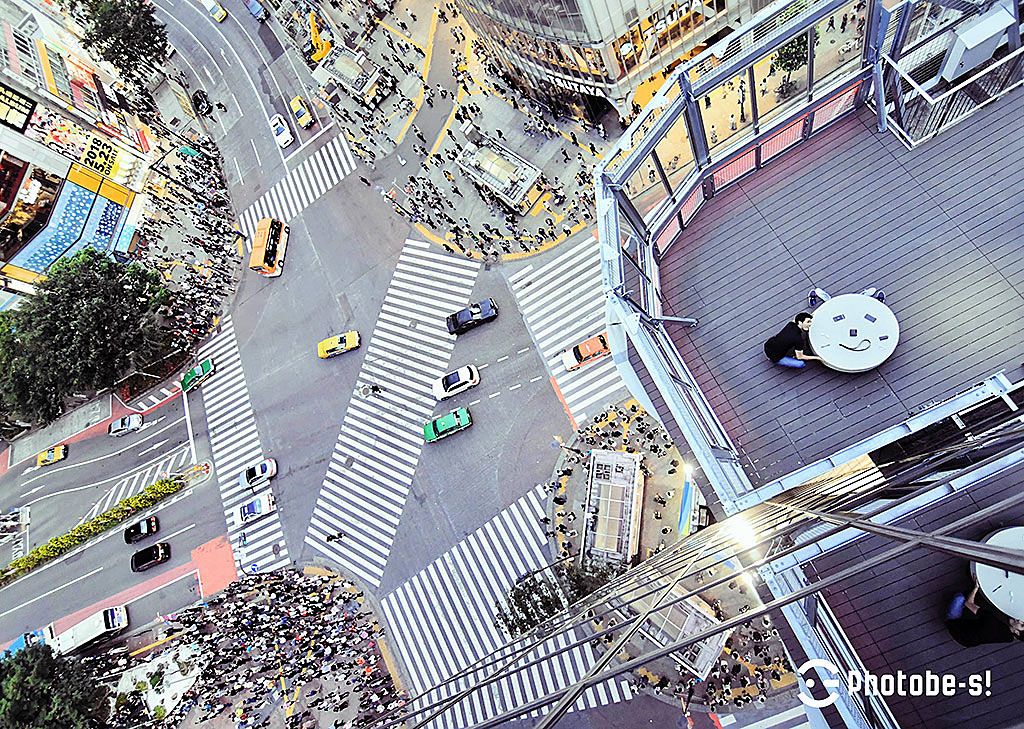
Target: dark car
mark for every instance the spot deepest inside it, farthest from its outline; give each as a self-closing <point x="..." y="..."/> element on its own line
<point x="141" y="529"/>
<point x="472" y="316"/>
<point x="151" y="556"/>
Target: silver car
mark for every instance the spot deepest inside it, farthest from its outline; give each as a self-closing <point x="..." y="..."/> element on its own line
<point x="124" y="426"/>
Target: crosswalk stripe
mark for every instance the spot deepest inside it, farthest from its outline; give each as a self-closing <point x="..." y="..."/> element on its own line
<point x="348" y="153"/>
<point x="441" y="621"/>
<point x="302" y="186"/>
<point x="235" y="444"/>
<point x="571" y="282"/>
<point x="374" y="460"/>
<point x="332" y="170"/>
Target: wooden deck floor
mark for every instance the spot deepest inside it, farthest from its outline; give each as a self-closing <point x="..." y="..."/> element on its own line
<point x="893" y="615"/>
<point x="940" y="229"/>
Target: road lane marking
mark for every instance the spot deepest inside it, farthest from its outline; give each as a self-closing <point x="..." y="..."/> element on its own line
<point x="475" y="402"/>
<point x="208" y="74"/>
<point x="188" y="420"/>
<point x="493" y="394"/>
<point x="47" y="594"/>
<point x="502" y="359"/>
<point x="524" y="349"/>
<point x="256" y="152"/>
<point x="106" y="535"/>
<point x="117" y="477"/>
<point x="515" y="387"/>
<point x="538" y="377"/>
<point x="97" y="458"/>
<point x="483" y="366"/>
<point x="153" y="447"/>
<point x="180" y="531"/>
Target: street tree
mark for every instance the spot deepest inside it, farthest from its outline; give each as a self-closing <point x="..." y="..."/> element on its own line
<point x="531" y="601"/>
<point x="126" y="34"/>
<point x="90" y="322"/>
<point x="43" y="690"/>
<point x="539" y="596"/>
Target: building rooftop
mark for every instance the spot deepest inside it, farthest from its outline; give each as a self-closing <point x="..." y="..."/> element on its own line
<point x="940" y="229"/>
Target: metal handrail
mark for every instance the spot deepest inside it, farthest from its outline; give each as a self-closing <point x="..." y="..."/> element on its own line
<point x="960" y="86"/>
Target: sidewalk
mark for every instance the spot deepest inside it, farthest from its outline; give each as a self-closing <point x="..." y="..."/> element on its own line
<point x="752" y="669"/>
<point x="446" y="92"/>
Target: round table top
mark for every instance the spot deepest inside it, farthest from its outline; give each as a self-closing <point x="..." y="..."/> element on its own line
<point x="854" y="332"/>
<point x="1005" y="590"/>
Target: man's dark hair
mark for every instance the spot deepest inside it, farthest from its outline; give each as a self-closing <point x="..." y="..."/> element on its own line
<point x="801" y="317"/>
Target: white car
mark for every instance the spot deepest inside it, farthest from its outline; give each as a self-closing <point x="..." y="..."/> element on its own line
<point x="455" y="382"/>
<point x="258" y="474"/>
<point x="282" y="134"/>
<point x="124" y="426"/>
<point x="256" y="508"/>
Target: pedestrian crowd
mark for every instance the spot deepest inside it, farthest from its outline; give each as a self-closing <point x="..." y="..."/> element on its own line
<point x="286" y="628"/>
<point x="433" y="202"/>
<point x="189" y="201"/>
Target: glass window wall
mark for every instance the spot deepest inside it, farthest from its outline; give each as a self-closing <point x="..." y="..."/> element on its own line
<point x="675" y="153"/>
<point x="726" y="111"/>
<point x="781" y="79"/>
<point x="840" y="44"/>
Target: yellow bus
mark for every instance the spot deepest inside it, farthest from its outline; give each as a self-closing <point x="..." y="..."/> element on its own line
<point x="268" y="246"/>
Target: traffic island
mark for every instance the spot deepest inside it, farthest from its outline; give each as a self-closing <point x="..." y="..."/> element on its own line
<point x="622" y="492"/>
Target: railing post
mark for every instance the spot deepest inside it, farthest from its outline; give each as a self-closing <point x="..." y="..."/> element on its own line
<point x="694" y="123"/>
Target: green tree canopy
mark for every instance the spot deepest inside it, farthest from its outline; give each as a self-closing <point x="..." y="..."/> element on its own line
<point x="542" y="595"/>
<point x="90" y="322"/>
<point x="126" y="34"/>
<point x="41" y="690"/>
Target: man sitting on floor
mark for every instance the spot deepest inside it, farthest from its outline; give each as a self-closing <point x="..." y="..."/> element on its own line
<point x="972" y="624"/>
<point x="788" y="347"/>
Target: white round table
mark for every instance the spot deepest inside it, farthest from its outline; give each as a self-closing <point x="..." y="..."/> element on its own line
<point x="1005" y="590"/>
<point x="854" y="332"/>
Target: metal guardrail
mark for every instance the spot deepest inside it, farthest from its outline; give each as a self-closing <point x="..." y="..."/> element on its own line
<point x="916" y="116"/>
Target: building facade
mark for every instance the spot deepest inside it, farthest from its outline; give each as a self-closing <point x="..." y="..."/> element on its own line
<point x="72" y="152"/>
<point x="590" y="54"/>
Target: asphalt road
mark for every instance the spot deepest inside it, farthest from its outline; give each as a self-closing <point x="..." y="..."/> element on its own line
<point x="101" y="570"/>
<point x="97" y="473"/>
<point x="342" y="253"/>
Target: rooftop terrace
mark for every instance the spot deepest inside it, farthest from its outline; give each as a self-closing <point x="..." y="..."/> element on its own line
<point x="939" y="228"/>
<point x="893" y="616"/>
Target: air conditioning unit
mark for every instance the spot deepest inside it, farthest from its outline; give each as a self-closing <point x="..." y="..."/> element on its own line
<point x="975" y="42"/>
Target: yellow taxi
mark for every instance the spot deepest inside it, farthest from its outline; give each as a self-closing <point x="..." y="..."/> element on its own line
<point x="301" y="111"/>
<point x="338" y="344"/>
<point x="216" y="10"/>
<point x="57" y="453"/>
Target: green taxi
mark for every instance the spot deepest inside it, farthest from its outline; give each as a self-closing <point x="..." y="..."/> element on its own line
<point x="197" y="375"/>
<point x="444" y="425"/>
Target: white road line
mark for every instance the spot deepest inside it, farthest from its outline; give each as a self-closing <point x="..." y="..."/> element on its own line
<point x="61" y="469"/>
<point x="502" y="359"/>
<point x="515" y="387"/>
<point x="534" y="379"/>
<point x="524" y="349"/>
<point x="160" y="587"/>
<point x="493" y="394"/>
<point x="86" y="576"/>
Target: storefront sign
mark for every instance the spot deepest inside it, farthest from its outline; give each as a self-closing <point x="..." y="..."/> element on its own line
<point x="15" y="109"/>
<point x="100" y="156"/>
